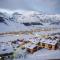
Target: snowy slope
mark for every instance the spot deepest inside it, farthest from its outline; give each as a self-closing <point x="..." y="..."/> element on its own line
<point x="15" y="20"/>
<point x="12" y="26"/>
<point x="33" y="16"/>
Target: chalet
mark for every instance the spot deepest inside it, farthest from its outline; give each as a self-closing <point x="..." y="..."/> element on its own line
<point x="50" y="44"/>
<point x="31" y="48"/>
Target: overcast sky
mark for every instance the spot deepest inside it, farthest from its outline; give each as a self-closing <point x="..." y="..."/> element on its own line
<point x="47" y="6"/>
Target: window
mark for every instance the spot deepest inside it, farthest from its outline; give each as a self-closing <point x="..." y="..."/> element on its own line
<point x="43" y="44"/>
<point x="50" y="46"/>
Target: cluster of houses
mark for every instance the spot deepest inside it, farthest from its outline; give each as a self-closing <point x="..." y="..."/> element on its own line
<point x="30" y="43"/>
<point x="36" y="43"/>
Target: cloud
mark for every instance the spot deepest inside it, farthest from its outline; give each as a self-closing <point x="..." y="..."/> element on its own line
<point x="44" y="5"/>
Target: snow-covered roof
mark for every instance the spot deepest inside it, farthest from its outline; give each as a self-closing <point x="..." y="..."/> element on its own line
<point x="43" y="40"/>
<point x="52" y="42"/>
<point x="34" y="40"/>
<point x="30" y="46"/>
<point x="48" y="41"/>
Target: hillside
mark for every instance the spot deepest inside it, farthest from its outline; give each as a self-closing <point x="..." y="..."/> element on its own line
<point x="27" y="20"/>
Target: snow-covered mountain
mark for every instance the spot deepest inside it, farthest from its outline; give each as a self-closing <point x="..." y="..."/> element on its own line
<point x="32" y="16"/>
<point x="25" y="20"/>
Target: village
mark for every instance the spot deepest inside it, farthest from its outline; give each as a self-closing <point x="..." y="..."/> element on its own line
<point x="29" y="29"/>
<point x="17" y="46"/>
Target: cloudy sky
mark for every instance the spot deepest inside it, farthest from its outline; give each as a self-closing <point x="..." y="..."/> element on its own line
<point x="47" y="6"/>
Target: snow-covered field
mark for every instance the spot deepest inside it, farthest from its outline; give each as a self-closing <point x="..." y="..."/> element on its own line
<point x="42" y="54"/>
